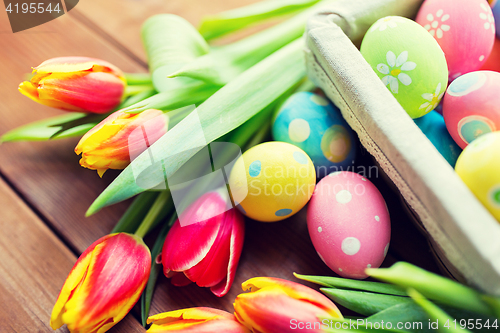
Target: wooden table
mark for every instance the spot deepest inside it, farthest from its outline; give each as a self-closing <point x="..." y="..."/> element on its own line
<point x="44" y="193"/>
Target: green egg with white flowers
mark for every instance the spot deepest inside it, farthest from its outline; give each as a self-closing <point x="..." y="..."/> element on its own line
<point x="409" y="62"/>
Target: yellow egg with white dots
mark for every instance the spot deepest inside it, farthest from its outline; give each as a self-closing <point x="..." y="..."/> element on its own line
<point x="479" y="168"/>
<point x="272" y="181"/>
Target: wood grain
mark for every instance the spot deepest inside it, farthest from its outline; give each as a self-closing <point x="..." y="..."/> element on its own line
<point x="121" y="20"/>
<point x="33" y="267"/>
<point x="47" y="174"/>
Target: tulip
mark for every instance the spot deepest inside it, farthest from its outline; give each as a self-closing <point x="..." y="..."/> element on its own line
<point x="199" y="320"/>
<point x="206" y="248"/>
<point x="278" y="306"/>
<point x="104" y="284"/>
<point x="76" y="84"/>
<point x="119" y="138"/>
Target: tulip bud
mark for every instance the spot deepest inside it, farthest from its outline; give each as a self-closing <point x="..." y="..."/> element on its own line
<point x="207" y="251"/>
<point x="119" y="138"/>
<point x="104" y="284"/>
<point x="76" y="84"/>
<point x="278" y="306"/>
<point x="199" y="320"/>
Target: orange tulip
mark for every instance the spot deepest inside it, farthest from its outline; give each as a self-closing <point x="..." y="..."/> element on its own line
<point x="119" y="138"/>
<point x="195" y="320"/>
<point x="278" y="306"/>
<point x="76" y="84"/>
<point x="104" y="284"/>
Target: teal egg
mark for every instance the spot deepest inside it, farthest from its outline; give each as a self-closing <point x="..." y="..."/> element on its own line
<point x="434" y="128"/>
<point x="312" y="123"/>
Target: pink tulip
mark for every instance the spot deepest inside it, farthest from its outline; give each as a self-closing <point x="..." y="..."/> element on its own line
<point x="207" y="251"/>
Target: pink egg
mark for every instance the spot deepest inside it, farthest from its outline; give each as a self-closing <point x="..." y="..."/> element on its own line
<point x="465" y="30"/>
<point x="471" y="106"/>
<point x="349" y="224"/>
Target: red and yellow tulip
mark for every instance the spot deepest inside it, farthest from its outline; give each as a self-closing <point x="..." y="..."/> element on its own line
<point x="104" y="284"/>
<point x="76" y="84"/>
<point x="119" y="138"/>
<point x="196" y="320"/>
<point x="207" y="251"/>
<point x="278" y="306"/>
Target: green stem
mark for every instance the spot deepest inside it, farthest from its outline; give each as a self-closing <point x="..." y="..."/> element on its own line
<point x="153" y="213"/>
<point x="136" y="212"/>
<point x="134" y="90"/>
<point x="147" y="295"/>
<point x="137" y="78"/>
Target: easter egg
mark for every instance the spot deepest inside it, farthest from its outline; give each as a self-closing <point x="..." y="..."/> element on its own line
<point x="465" y="30"/>
<point x="493" y="62"/>
<point x="496" y="15"/>
<point x="349" y="224"/>
<point x="272" y="181"/>
<point x="472" y="106"/>
<point x="315" y="125"/>
<point x="409" y="62"/>
<point x="434" y="128"/>
<point x="479" y="166"/>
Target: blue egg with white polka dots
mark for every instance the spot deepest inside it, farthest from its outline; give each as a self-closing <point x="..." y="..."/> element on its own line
<point x="434" y="128"/>
<point x="312" y="123"/>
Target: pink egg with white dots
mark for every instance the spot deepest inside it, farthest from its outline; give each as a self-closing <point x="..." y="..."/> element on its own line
<point x="349" y="224"/>
<point x="465" y="30"/>
<point x="471" y="106"/>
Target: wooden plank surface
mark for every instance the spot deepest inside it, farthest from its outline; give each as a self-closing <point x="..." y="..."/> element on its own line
<point x="33" y="266"/>
<point x="122" y="19"/>
<point x="47" y="175"/>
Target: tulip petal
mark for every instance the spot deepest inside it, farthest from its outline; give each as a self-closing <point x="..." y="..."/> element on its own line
<point x="29" y="90"/>
<point x="180" y="280"/>
<point x="117" y="273"/>
<point x="271" y="310"/>
<point x="213" y="268"/>
<point x="94" y="92"/>
<point x="294" y="290"/>
<point x="237" y="239"/>
<point x="76" y="64"/>
<point x="199" y="320"/>
<point x="186" y="246"/>
<point x="73" y="280"/>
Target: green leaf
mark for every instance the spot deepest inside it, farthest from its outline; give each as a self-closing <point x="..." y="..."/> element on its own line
<point x="235" y="103"/>
<point x="223" y="23"/>
<point x="432" y="286"/>
<point x="376" y="287"/>
<point x="170" y="42"/>
<point x="362" y="302"/>
<point x="223" y="64"/>
<point x="175" y="97"/>
<point x="135" y="213"/>
<point x="147" y="295"/>
<point x="402" y="313"/>
<point x="138" y="78"/>
<point x="64" y="126"/>
<point x="72" y="124"/>
<point x="435" y="313"/>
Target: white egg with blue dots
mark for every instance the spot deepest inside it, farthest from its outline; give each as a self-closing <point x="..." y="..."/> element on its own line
<point x="272" y="181"/>
<point x="315" y="125"/>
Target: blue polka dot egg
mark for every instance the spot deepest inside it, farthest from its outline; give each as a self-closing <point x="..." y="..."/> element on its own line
<point x="312" y="123"/>
<point x="272" y="181"/>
